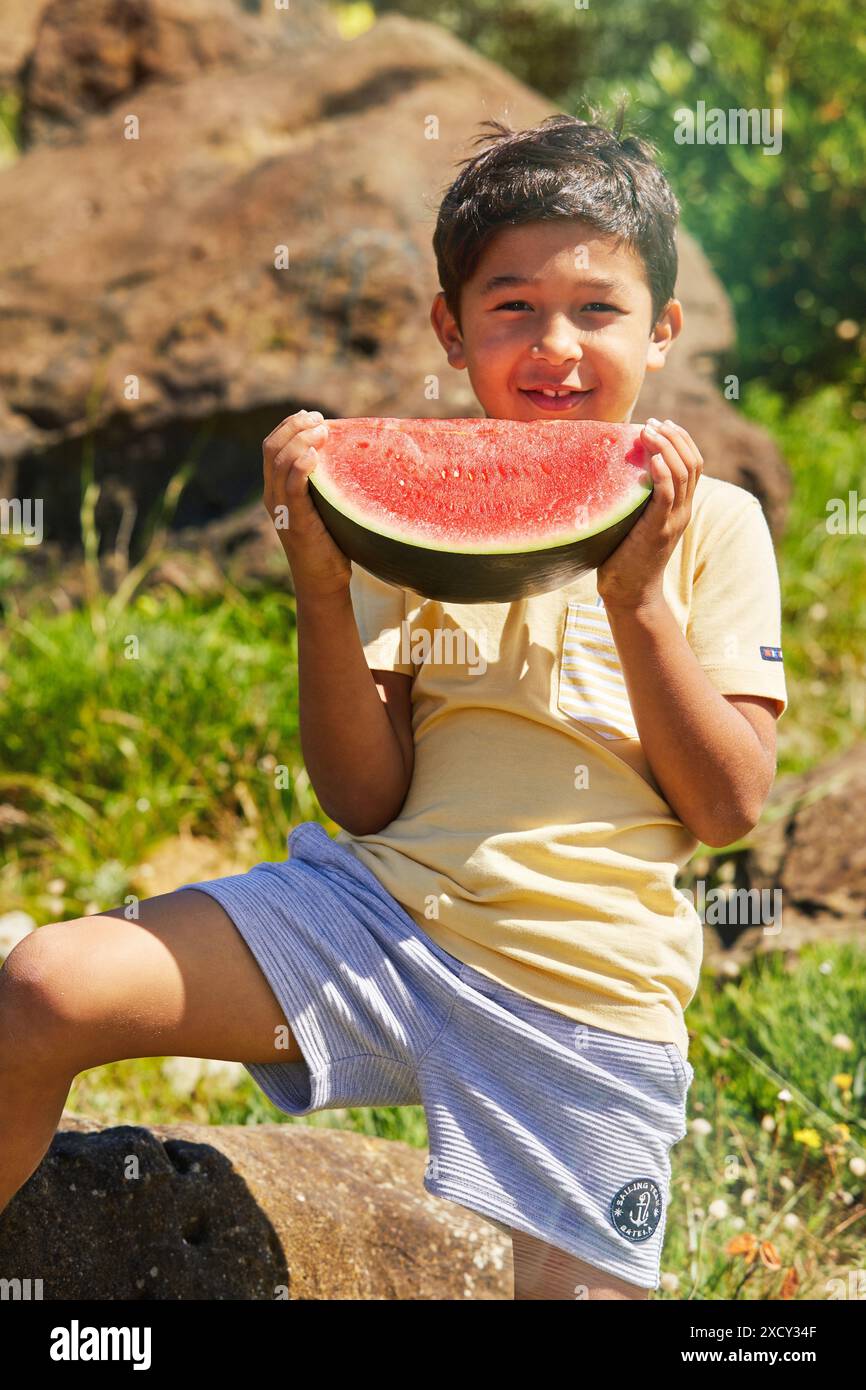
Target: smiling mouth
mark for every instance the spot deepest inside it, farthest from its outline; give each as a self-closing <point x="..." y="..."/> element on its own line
<point x="557" y="403"/>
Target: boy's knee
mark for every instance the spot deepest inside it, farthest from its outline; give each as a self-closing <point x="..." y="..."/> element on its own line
<point x="38" y="996"/>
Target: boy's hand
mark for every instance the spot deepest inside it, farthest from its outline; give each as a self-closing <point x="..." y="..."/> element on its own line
<point x="632" y="576"/>
<point x="318" y="566"/>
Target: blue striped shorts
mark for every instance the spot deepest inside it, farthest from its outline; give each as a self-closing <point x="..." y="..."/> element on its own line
<point x="557" y="1128"/>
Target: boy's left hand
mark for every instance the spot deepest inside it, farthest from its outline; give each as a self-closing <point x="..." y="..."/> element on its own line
<point x="632" y="576"/>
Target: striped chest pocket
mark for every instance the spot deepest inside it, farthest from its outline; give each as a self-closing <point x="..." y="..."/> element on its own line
<point x="592" y="689"/>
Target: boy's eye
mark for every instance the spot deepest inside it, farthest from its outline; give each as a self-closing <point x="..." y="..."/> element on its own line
<point x="594" y="308"/>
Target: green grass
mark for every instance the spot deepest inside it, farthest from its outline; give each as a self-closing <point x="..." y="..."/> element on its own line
<point x="176" y="714"/>
<point x="798" y="1030"/>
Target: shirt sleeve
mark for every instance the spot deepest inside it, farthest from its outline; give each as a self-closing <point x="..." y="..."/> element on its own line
<point x="735" y="620"/>
<point x="380" y="610"/>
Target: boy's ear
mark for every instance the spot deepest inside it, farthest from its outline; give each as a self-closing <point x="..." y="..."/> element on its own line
<point x="447" y="331"/>
<point x="668" y="327"/>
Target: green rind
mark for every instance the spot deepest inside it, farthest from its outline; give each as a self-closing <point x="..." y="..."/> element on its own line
<point x="460" y="576"/>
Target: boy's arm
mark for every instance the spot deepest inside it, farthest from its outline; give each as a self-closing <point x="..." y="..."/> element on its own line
<point x="353" y="730"/>
<point x="395" y="691"/>
<point x="762" y="712"/>
<point x="712" y="755"/>
<point x="704" y="705"/>
<point x="353" y="734"/>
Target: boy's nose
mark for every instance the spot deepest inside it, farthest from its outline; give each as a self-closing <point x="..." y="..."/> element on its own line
<point x="558" y="346"/>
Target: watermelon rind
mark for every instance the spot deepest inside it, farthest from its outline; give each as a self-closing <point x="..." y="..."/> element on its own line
<point x="475" y="572"/>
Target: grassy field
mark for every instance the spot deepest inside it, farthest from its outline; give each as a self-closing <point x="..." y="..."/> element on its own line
<point x="146" y="714"/>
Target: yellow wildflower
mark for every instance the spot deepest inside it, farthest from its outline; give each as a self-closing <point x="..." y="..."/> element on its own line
<point x="810" y="1137"/>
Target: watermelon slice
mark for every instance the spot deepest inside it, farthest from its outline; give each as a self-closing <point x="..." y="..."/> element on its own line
<point x="479" y="511"/>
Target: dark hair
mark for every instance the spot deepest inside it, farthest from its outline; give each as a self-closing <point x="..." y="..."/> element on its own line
<point x="562" y="169"/>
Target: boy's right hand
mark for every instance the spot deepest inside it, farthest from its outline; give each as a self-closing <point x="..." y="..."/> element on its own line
<point x="318" y="566"/>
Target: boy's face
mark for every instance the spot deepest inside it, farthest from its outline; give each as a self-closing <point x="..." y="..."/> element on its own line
<point x="581" y="317"/>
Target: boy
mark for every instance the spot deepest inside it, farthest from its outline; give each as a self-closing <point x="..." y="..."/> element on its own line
<point x="496" y="931"/>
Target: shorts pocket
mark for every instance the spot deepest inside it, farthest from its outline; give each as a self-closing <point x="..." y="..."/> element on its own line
<point x="683" y="1070"/>
<point x="592" y="689"/>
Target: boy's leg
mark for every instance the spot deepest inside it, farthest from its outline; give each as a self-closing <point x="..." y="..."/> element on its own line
<point x="542" y="1271"/>
<point x="179" y="981"/>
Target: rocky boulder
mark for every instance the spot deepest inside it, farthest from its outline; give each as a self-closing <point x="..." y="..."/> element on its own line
<point x="808" y="858"/>
<point x="86" y="55"/>
<point x="275" y="1211"/>
<point x="811" y="845"/>
<point x="19" y="25"/>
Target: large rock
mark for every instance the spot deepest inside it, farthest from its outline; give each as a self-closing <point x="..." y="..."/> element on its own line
<point x="88" y="54"/>
<point x="810" y="849"/>
<point x="140" y="296"/>
<point x="243" y="1212"/>
<point x="19" y="26"/>
<point x="812" y="845"/>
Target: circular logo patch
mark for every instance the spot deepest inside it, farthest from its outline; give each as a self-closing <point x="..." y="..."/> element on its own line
<point x="636" y="1209"/>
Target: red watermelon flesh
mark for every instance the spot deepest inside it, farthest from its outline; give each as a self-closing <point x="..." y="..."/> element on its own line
<point x="480" y="510"/>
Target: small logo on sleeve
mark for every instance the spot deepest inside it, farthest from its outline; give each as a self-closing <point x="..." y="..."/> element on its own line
<point x="771" y="653"/>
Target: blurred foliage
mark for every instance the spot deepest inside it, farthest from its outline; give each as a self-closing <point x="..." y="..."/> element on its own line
<point x="821" y="574"/>
<point x="786" y="233"/>
<point x="10" y="135"/>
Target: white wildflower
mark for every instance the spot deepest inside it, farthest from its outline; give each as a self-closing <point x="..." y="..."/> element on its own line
<point x="14" y="926"/>
<point x="182" y="1073"/>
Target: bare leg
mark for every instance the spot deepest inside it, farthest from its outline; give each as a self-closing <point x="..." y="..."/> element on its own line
<point x="542" y="1271"/>
<point x="180" y="981"/>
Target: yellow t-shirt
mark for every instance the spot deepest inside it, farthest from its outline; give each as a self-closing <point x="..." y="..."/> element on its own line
<point x="534" y="843"/>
